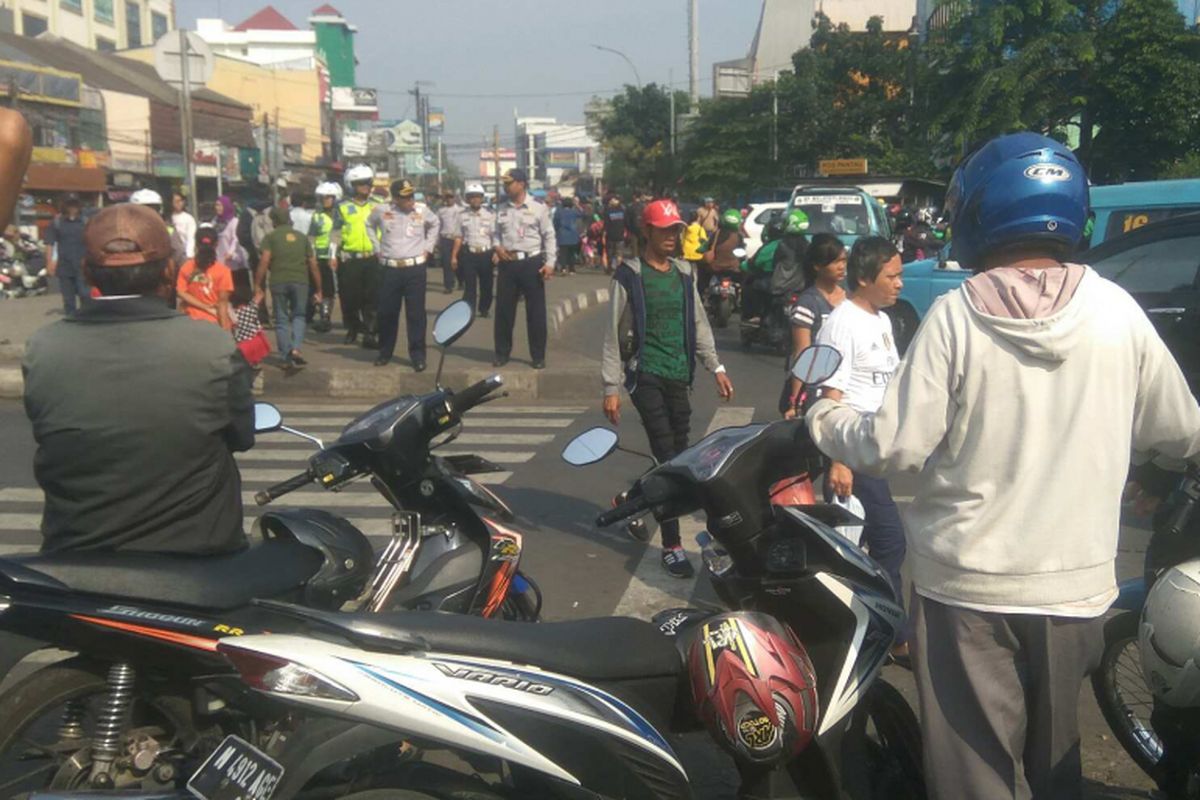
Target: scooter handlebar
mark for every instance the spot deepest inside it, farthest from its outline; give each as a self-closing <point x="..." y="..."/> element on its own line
<point x="280" y="489"/>
<point x="462" y="402"/>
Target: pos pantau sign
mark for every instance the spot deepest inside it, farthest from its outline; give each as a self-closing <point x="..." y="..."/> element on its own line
<point x="843" y="166"/>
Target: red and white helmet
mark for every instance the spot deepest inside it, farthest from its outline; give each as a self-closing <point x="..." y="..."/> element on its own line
<point x="754" y="687"/>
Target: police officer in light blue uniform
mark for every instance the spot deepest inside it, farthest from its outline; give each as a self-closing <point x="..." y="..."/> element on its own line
<point x="406" y="235"/>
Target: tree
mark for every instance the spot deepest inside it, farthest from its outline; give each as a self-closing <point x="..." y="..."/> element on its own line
<point x="850" y="94"/>
<point x="635" y="133"/>
<point x="1146" y="94"/>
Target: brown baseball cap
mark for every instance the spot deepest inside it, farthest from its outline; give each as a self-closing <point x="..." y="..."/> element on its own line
<point x="126" y="235"/>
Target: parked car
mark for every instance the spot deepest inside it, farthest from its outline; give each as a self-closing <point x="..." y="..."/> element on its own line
<point x="1117" y="211"/>
<point x="756" y="221"/>
<point x="1159" y="264"/>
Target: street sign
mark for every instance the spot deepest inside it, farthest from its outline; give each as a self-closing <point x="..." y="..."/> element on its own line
<point x="843" y="166"/>
<point x="169" y="64"/>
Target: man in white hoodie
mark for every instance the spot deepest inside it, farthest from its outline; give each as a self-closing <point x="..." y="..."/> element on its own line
<point x="1020" y="403"/>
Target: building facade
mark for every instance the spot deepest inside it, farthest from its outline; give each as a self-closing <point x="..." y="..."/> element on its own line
<point x="94" y="24"/>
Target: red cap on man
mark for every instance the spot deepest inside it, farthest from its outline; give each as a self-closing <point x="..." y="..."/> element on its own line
<point x="662" y="214"/>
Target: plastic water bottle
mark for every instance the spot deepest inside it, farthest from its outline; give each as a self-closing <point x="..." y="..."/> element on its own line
<point x="716" y="559"/>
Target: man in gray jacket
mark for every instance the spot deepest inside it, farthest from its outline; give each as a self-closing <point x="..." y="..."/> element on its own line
<point x="137" y="409"/>
<point x="657" y="332"/>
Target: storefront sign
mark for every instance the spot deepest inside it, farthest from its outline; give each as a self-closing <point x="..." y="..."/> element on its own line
<point x="207" y="158"/>
<point x="843" y="166"/>
<point x="168" y="165"/>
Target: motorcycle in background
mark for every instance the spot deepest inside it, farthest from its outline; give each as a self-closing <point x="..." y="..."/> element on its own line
<point x="22" y="270"/>
<point x="724" y="294"/>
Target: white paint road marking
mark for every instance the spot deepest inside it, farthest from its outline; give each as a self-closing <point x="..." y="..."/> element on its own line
<point x="651" y="589"/>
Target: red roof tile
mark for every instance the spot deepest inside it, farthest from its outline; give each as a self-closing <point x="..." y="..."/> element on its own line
<point x="268" y="19"/>
<point x="326" y="11"/>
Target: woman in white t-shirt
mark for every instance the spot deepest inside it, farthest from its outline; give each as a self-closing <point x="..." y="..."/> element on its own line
<point x="862" y="333"/>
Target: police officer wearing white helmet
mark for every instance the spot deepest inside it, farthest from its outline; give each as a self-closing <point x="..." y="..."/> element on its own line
<point x="356" y="262"/>
<point x="325" y="220"/>
<point x="473" y="257"/>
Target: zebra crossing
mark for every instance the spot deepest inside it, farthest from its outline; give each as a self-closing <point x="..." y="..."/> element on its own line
<point x="506" y="435"/>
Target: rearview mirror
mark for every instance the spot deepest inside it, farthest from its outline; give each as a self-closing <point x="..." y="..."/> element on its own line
<point x="816" y="364"/>
<point x="590" y="446"/>
<point x="267" y="418"/>
<point x="739" y="252"/>
<point x="452" y="323"/>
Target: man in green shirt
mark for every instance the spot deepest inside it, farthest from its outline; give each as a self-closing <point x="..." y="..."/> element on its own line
<point x="658" y="332"/>
<point x="287" y="255"/>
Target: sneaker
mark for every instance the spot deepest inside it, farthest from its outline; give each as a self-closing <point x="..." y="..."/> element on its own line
<point x="676" y="563"/>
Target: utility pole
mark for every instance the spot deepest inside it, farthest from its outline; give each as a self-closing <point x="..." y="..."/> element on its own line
<point x="496" y="158"/>
<point x="439" y="165"/>
<point x="775" y="118"/>
<point x="185" y="120"/>
<point x="671" y="92"/>
<point x="266" y="143"/>
<point x="693" y="53"/>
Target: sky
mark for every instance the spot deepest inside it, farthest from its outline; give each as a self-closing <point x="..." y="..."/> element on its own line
<point x="475" y="51"/>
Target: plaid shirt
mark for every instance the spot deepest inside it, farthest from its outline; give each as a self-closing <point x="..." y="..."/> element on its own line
<point x="246" y="325"/>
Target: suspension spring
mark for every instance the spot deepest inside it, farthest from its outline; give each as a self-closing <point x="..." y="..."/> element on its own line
<point x="72" y="720"/>
<point x="110" y="722"/>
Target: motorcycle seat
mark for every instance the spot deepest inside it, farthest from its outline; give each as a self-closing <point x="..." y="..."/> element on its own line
<point x="602" y="648"/>
<point x="217" y="583"/>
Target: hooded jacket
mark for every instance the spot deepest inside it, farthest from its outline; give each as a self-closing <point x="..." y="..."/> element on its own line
<point x="627" y="327"/>
<point x="1022" y="431"/>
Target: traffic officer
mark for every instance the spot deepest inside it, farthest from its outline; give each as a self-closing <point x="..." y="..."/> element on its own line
<point x="526" y="247"/>
<point x="448" y="213"/>
<point x="407" y="236"/>
<point x="321" y="230"/>
<point x="356" y="264"/>
<point x="473" y="258"/>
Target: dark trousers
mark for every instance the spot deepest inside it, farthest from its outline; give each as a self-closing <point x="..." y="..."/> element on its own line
<point x="999" y="696"/>
<point x="477" y="268"/>
<point x="666" y="411"/>
<point x="445" y="251"/>
<point x="75" y="291"/>
<point x="403" y="286"/>
<point x="521" y="279"/>
<point x="568" y="257"/>
<point x="883" y="533"/>
<point x="359" y="281"/>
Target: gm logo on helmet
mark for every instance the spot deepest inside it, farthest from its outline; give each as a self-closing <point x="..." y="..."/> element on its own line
<point x="1050" y="173"/>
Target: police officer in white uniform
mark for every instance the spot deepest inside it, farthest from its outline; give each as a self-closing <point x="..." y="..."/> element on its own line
<point x="526" y="248"/>
<point x="406" y="236"/>
<point x="473" y="258"/>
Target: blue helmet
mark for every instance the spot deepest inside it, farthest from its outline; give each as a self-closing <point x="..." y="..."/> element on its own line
<point x="1023" y="187"/>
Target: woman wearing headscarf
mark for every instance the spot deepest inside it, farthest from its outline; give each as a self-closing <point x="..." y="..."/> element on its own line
<point x="229" y="250"/>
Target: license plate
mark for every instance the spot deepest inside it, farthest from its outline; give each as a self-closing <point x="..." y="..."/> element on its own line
<point x="236" y="770"/>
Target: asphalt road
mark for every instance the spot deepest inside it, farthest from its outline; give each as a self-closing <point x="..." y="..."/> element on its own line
<point x="584" y="571"/>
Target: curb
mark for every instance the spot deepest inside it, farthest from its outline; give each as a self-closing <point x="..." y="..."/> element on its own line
<point x="521" y="383"/>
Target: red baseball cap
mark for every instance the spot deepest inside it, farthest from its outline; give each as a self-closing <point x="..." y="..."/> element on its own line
<point x="662" y="214"/>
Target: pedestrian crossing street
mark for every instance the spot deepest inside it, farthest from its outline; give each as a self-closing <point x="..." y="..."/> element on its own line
<point x="506" y="435"/>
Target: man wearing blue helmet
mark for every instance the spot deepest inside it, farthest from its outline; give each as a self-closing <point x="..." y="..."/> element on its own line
<point x="1020" y="402"/>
